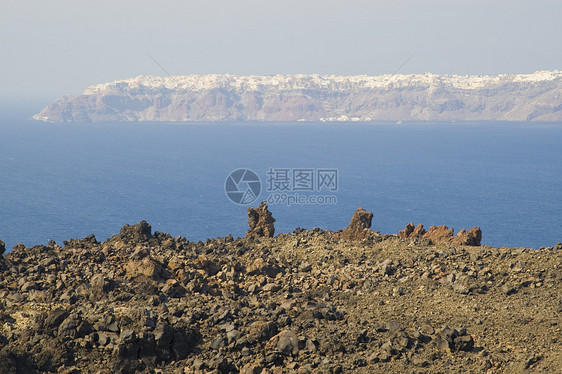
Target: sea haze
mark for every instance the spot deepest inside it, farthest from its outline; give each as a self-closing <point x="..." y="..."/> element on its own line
<point x="61" y="181"/>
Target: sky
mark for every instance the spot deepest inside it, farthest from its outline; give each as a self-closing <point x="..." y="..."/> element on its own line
<point x="60" y="47"/>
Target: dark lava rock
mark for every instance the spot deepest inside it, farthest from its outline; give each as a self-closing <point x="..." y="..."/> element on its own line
<point x="12" y="362"/>
<point x="183" y="343"/>
<point x="260" y="221"/>
<point x="532" y="359"/>
<point x="100" y="287"/>
<point x="139" y="233"/>
<point x="163" y="335"/>
<point x="55" y="318"/>
<point x="463" y="343"/>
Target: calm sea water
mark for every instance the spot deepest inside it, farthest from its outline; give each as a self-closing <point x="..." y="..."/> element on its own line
<point x="61" y="181"/>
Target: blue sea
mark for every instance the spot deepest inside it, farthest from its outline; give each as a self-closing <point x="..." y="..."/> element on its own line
<point x="61" y="181"/>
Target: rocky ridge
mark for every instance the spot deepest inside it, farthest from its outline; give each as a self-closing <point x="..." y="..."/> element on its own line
<point x="311" y="301"/>
<point x="224" y="97"/>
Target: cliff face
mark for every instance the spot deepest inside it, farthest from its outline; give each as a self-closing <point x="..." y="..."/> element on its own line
<point x="523" y="97"/>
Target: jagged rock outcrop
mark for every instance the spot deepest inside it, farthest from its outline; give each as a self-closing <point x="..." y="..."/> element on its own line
<point x="439" y="233"/>
<point x="442" y="234"/>
<point x="412" y="231"/>
<point x="2" y="247"/>
<point x="416" y="97"/>
<point x="359" y="227"/>
<point x="260" y="221"/>
<point x="470" y="237"/>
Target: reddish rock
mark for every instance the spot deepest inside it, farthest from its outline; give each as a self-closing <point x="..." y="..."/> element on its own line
<point x="419" y="231"/>
<point x="407" y="232"/>
<point x="443" y="234"/>
<point x="439" y="233"/>
<point x="359" y="227"/>
<point x="470" y="237"/>
<point x="261" y="222"/>
<point x="412" y="232"/>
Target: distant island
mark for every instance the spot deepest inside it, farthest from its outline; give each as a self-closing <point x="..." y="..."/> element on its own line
<point x="224" y="97"/>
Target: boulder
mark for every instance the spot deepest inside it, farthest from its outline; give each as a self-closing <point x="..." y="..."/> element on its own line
<point x="163" y="336"/>
<point x="69" y="327"/>
<point x="260" y="221"/>
<point x="55" y="318"/>
<point x="100" y="287"/>
<point x="146" y="268"/>
<point x="286" y="342"/>
<point x="263" y="330"/>
<point x="268" y="268"/>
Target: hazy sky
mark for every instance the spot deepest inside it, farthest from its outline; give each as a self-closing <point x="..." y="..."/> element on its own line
<point x="56" y="47"/>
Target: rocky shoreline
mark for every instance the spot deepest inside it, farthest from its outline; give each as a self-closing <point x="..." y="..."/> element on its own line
<point x="310" y="301"/>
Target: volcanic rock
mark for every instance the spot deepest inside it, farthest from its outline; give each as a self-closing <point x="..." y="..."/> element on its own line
<point x="412" y="231"/>
<point x="142" y="303"/>
<point x="141" y="232"/>
<point x="439" y="233"/>
<point x="470" y="237"/>
<point x="55" y="318"/>
<point x="146" y="267"/>
<point x="359" y="227"/>
<point x="285" y="342"/>
<point x="261" y="222"/>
